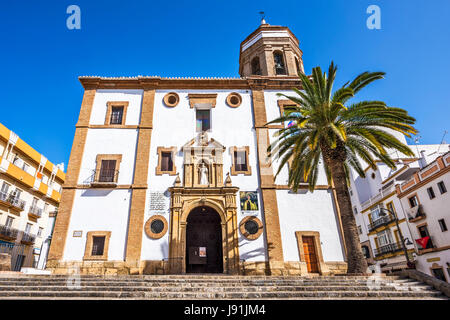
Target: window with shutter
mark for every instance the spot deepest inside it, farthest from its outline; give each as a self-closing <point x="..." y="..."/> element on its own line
<point x="107" y="171"/>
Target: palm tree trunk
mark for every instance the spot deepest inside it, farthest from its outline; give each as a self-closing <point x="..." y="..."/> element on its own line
<point x="355" y="258"/>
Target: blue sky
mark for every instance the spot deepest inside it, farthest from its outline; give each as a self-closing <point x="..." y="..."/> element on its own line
<point x="41" y="59"/>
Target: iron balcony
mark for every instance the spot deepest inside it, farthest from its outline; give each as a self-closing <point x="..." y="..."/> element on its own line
<point x="389" y="248"/>
<point x="381" y="222"/>
<point x="12" y="200"/>
<point x="8" y="233"/>
<point x="104" y="178"/>
<point x="28" y="238"/>
<point x="35" y="211"/>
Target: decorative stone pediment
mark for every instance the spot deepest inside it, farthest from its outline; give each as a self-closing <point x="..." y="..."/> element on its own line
<point x="203" y="162"/>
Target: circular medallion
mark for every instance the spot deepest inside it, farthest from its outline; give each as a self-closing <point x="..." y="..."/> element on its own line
<point x="156" y="227"/>
<point x="171" y="99"/>
<point x="234" y="99"/>
<point x="251" y="227"/>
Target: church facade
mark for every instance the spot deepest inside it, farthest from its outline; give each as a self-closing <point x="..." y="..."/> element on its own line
<point x="171" y="176"/>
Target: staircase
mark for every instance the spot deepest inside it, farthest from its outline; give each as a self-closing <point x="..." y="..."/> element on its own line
<point x="201" y="287"/>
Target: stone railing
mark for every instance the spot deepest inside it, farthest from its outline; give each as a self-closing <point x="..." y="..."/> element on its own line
<point x="442" y="286"/>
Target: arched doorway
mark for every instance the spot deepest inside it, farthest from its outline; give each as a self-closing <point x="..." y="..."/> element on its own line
<point x="204" y="241"/>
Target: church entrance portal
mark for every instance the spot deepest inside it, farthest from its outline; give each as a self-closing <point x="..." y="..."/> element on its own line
<point x="204" y="241"/>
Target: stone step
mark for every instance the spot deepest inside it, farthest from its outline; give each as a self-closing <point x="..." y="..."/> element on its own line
<point x="227" y="295"/>
<point x="193" y="277"/>
<point x="181" y="280"/>
<point x="197" y="285"/>
<point x="212" y="289"/>
<point x="205" y="287"/>
<point x="196" y="281"/>
<point x="200" y="284"/>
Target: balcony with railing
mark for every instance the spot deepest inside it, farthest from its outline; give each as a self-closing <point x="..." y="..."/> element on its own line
<point x="381" y="222"/>
<point x="35" y="212"/>
<point x="8" y="233"/>
<point x="28" y="238"/>
<point x="389" y="248"/>
<point x="11" y="201"/>
<point x="103" y="178"/>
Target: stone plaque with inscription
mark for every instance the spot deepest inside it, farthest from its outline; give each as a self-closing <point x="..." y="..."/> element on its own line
<point x="159" y="202"/>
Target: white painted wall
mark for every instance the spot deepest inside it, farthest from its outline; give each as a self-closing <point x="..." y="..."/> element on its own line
<point x="98" y="210"/>
<point x="306" y="211"/>
<point x="103" y="96"/>
<point x="109" y="141"/>
<point x="230" y="127"/>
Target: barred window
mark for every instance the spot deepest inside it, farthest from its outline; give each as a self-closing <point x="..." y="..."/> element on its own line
<point x="116" y="115"/>
<point x="98" y="245"/>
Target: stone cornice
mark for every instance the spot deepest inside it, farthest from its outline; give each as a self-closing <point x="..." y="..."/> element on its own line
<point x="146" y="83"/>
<point x="203" y="191"/>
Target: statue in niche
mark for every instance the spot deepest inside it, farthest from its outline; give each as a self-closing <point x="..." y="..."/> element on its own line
<point x="203" y="176"/>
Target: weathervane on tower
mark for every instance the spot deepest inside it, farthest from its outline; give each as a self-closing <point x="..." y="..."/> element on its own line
<point x="263" y="21"/>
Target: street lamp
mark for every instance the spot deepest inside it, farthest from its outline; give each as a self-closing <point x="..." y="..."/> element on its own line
<point x="409" y="263"/>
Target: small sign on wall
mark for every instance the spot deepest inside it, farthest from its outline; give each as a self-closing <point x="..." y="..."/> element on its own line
<point x="77" y="234"/>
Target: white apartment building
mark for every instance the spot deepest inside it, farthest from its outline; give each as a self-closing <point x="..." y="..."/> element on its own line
<point x="380" y="237"/>
<point x="30" y="191"/>
<point x="426" y="201"/>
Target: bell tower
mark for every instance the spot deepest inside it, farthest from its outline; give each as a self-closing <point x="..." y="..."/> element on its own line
<point x="270" y="51"/>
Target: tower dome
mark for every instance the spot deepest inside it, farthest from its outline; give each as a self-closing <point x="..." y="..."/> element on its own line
<point x="270" y="51"/>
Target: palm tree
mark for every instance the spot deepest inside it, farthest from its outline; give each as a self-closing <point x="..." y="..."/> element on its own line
<point x="323" y="126"/>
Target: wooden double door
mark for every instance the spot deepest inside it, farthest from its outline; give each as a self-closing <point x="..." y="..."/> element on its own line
<point x="204" y="241"/>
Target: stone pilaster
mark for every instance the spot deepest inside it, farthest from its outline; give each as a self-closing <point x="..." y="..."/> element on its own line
<point x="139" y="191"/>
<point x="269" y="198"/>
<point x="73" y="169"/>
